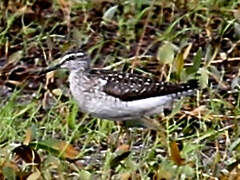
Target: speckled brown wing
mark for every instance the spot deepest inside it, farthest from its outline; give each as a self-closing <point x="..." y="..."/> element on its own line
<point x="129" y="87"/>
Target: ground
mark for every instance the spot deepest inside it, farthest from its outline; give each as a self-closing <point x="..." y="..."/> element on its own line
<point x="45" y="136"/>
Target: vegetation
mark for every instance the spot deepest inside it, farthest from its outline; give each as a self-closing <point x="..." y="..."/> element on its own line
<point x="45" y="136"/>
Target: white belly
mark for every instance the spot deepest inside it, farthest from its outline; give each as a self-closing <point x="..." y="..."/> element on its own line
<point x="105" y="106"/>
<point x="108" y="107"/>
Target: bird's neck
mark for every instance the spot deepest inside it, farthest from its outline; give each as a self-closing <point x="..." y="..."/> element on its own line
<point x="77" y="79"/>
<point x="80" y="70"/>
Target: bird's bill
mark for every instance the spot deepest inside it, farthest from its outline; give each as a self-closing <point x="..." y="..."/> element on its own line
<point x="46" y="70"/>
<point x="49" y="69"/>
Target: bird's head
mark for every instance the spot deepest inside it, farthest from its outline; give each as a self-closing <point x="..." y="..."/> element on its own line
<point x="75" y="60"/>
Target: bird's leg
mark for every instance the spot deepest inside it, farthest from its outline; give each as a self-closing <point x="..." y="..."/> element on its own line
<point x="151" y="123"/>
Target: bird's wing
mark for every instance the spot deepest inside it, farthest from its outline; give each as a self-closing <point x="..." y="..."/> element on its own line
<point x="129" y="87"/>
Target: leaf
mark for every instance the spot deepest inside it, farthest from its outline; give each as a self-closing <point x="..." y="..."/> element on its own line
<point x="208" y="55"/>
<point x="109" y="14"/>
<point x="237" y="30"/>
<point x="165" y="54"/>
<point x="235" y="144"/>
<point x="121" y="155"/>
<point x="236" y="14"/>
<point x="57" y="92"/>
<point x="233" y="165"/>
<point x="59" y="148"/>
<point x="202" y="109"/>
<point x="16" y="56"/>
<point x="35" y="175"/>
<point x="85" y="175"/>
<point x="71" y="119"/>
<point x="139" y="3"/>
<point x="188" y="171"/>
<point x="175" y="154"/>
<point x="67" y="150"/>
<point x="196" y="62"/>
<point x="123" y="147"/>
<point x="187" y="51"/>
<point x="9" y="173"/>
<point x="235" y="83"/>
<point x="65" y="6"/>
<point x="27" y="154"/>
<point x="204" y="78"/>
<point x="179" y="64"/>
<point x="28" y="137"/>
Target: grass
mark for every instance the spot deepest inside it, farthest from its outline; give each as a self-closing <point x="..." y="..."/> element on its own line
<point x="45" y="136"/>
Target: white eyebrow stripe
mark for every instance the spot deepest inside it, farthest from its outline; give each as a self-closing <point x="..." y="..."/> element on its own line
<point x="72" y="54"/>
<point x="80" y="54"/>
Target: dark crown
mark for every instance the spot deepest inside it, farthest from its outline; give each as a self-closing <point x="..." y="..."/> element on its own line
<point x="71" y="60"/>
<point x="72" y="55"/>
<point x="75" y="59"/>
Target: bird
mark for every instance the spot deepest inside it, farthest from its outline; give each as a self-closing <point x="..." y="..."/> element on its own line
<point x="115" y="95"/>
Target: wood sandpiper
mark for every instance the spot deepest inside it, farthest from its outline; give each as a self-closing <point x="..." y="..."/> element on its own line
<point x="116" y="95"/>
